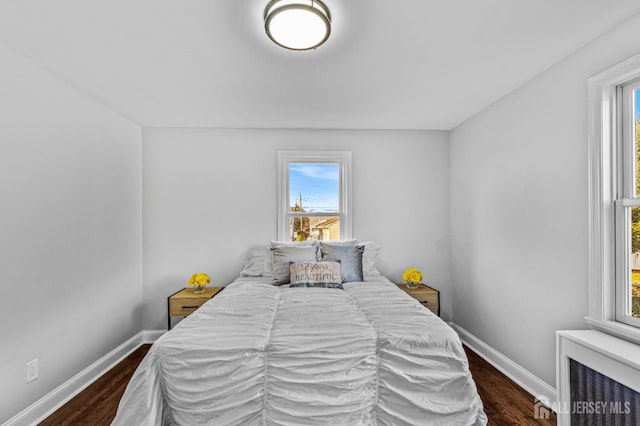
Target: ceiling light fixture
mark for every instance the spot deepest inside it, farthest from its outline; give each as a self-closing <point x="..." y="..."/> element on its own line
<point x="297" y="24"/>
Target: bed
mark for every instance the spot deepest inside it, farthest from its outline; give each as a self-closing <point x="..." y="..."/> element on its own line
<point x="364" y="353"/>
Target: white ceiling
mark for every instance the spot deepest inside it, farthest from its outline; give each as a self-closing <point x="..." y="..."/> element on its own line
<point x="403" y="64"/>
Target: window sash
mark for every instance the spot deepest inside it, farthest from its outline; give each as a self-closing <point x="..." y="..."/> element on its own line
<point x="623" y="262"/>
<point x="604" y="133"/>
<point x="626" y="187"/>
<point x="343" y="159"/>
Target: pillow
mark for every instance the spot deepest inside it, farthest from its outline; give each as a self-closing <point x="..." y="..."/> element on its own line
<point x="369" y="258"/>
<point x="274" y="244"/>
<point x="340" y="243"/>
<point x="283" y="256"/>
<point x="255" y="262"/>
<point x="350" y="258"/>
<point x="321" y="285"/>
<point x="314" y="273"/>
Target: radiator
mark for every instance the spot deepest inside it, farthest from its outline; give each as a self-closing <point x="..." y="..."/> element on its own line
<point x="598" y="380"/>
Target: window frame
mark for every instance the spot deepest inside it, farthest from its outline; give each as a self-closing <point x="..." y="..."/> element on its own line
<point x="343" y="159"/>
<point x="608" y="240"/>
<point x="627" y="198"/>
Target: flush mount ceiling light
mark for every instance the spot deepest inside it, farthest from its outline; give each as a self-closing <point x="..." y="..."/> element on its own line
<point x="297" y="24"/>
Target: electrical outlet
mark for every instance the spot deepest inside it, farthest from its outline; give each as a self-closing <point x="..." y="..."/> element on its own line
<point x="32" y="370"/>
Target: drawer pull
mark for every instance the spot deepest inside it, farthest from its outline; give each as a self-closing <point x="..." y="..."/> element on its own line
<point x="190" y="307"/>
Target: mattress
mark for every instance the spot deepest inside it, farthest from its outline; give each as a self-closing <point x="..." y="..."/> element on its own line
<point x="258" y="354"/>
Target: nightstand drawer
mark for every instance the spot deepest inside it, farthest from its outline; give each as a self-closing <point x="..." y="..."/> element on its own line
<point x="184" y="302"/>
<point x="427" y="296"/>
<point x="431" y="299"/>
<point x="183" y="307"/>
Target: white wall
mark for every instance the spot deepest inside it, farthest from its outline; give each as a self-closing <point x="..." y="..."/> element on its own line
<point x="519" y="208"/>
<point x="70" y="231"/>
<point x="210" y="194"/>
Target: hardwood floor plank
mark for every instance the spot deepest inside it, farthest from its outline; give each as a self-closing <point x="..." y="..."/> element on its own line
<point x="504" y="402"/>
<point x="98" y="403"/>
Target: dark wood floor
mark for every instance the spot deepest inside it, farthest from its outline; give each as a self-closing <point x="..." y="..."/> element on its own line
<point x="504" y="402"/>
<point x="98" y="403"/>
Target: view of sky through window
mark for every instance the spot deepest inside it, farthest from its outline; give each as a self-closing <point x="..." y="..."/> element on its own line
<point x="317" y="184"/>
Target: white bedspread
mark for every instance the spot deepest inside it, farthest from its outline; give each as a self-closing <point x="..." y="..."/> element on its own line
<point x="257" y="354"/>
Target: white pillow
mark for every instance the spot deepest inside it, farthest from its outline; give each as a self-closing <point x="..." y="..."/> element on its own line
<point x="255" y="262"/>
<point x="369" y="258"/>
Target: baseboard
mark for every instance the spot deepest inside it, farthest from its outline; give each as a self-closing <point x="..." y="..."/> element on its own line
<point x="49" y="403"/>
<point x="525" y="379"/>
<point x="150" y="336"/>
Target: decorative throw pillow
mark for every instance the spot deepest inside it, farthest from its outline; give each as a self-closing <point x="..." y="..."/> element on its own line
<point x="314" y="273"/>
<point x="283" y="256"/>
<point x="320" y="285"/>
<point x="350" y="258"/>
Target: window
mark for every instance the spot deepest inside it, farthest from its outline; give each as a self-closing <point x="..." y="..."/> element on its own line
<point x="627" y="210"/>
<point x="614" y="206"/>
<point x="313" y="195"/>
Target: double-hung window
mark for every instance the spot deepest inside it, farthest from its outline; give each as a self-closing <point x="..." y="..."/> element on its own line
<point x="314" y="195"/>
<point x="627" y="206"/>
<point x="614" y="206"/>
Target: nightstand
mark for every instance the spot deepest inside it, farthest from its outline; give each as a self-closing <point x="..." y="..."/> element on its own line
<point x="184" y="302"/>
<point x="427" y="296"/>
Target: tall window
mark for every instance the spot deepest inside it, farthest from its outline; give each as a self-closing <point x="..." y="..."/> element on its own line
<point x="313" y="195"/>
<point x="614" y="206"/>
<point x="627" y="292"/>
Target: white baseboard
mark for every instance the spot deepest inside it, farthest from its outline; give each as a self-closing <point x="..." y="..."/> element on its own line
<point x="55" y="399"/>
<point x="150" y="336"/>
<point x="525" y="379"/>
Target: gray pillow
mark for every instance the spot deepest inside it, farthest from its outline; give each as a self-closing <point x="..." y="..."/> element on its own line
<point x="283" y="256"/>
<point x="350" y="258"/>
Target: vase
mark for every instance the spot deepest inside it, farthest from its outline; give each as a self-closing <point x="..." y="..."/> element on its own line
<point x="412" y="286"/>
<point x="198" y="289"/>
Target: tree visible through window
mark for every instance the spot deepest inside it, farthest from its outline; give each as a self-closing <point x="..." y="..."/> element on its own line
<point x="635" y="213"/>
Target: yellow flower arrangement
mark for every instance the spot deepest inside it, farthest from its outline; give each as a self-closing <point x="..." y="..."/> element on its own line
<point x="199" y="280"/>
<point x="412" y="275"/>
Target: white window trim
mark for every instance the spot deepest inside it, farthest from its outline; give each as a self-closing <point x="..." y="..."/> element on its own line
<point x="341" y="157"/>
<point x="603" y="132"/>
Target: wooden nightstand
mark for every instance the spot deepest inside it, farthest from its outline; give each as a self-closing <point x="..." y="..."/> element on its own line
<point x="184" y="302"/>
<point x="427" y="296"/>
